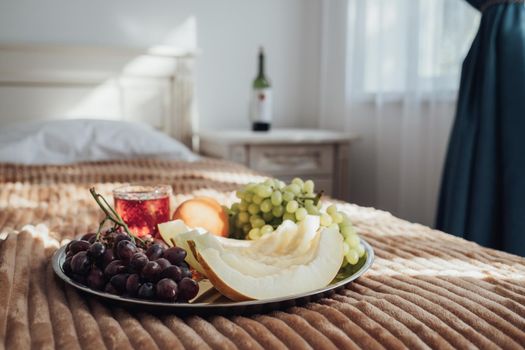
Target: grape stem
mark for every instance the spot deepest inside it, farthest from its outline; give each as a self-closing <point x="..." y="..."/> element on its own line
<point x="111" y="215"/>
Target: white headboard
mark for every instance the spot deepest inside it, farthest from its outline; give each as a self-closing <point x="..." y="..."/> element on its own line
<point x="154" y="85"/>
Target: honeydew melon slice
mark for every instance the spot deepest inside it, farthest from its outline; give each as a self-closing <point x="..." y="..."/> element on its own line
<point x="289" y="245"/>
<point x="177" y="231"/>
<point x="242" y="278"/>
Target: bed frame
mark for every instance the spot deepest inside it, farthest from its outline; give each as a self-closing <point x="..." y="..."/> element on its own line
<point x="155" y="85"/>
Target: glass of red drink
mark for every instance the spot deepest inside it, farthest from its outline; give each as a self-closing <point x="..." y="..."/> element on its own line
<point x="142" y="207"/>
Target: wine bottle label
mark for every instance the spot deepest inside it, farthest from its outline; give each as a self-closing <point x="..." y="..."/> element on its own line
<point x="262" y="105"/>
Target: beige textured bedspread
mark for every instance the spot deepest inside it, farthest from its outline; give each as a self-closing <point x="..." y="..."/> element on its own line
<point x="426" y="289"/>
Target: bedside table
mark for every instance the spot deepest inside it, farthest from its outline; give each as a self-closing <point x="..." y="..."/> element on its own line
<point x="320" y="155"/>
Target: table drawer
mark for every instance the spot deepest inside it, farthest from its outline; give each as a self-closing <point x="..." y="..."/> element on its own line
<point x="292" y="160"/>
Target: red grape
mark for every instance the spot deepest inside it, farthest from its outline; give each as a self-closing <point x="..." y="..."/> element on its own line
<point x="107" y="257"/>
<point x="120" y="237"/>
<point x="125" y="250"/>
<point x="174" y="272"/>
<point x="164" y="263"/>
<point x="138" y="261"/>
<point x="95" y="279"/>
<point x="133" y="284"/>
<point x="186" y="272"/>
<point x="146" y="291"/>
<point x="188" y="289"/>
<point x="119" y="281"/>
<point x="80" y="263"/>
<point x="151" y="271"/>
<point x="167" y="289"/>
<point x="113" y="268"/>
<point x="155" y="251"/>
<point x="96" y="250"/>
<point x="110" y="289"/>
<point x="66" y="266"/>
<point x="175" y="255"/>
<point x="78" y="278"/>
<point x="78" y="246"/>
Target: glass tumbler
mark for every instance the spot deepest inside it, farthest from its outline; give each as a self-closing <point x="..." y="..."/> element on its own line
<point x="142" y="207"/>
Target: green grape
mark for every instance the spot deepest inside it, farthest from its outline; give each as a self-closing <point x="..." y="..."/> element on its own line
<point x="257" y="200"/>
<point x="353" y="240"/>
<point x="337" y="217"/>
<point x="267" y="216"/>
<point x="294" y="188"/>
<point x="292" y="206"/>
<point x="277" y="197"/>
<point x="326" y="219"/>
<point x="331" y="210"/>
<point x="297" y="181"/>
<point x="270" y="182"/>
<point x="300" y="214"/>
<point x="278" y="211"/>
<point x="243" y="205"/>
<point x="309" y="186"/>
<point x="346" y="220"/>
<point x="346" y="248"/>
<point x="258" y="223"/>
<point x="266" y="206"/>
<point x="361" y="250"/>
<point x="253" y="218"/>
<point x="289" y="216"/>
<point x="288" y="196"/>
<point x="352" y="257"/>
<point x="266" y="229"/>
<point x="310" y="208"/>
<point x="248" y="197"/>
<point x="235" y="207"/>
<point x="244" y="217"/>
<point x="246" y="228"/>
<point x="346" y="231"/>
<point x="280" y="185"/>
<point x="254" y="233"/>
<point x="253" y="208"/>
<point x="263" y="191"/>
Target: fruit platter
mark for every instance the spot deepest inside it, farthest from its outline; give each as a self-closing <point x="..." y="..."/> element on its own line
<point x="275" y="247"/>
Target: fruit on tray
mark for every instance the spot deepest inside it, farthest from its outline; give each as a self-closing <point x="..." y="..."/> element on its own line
<point x="119" y="263"/>
<point x="293" y="259"/>
<point x="204" y="212"/>
<point x="264" y="206"/>
<point x="132" y="270"/>
<point x="176" y="232"/>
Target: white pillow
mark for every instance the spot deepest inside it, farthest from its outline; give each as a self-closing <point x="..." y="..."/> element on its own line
<point x="82" y="140"/>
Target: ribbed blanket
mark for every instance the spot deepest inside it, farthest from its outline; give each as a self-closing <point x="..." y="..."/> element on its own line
<point x="426" y="289"/>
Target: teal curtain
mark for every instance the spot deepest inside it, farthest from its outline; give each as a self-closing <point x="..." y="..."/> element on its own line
<point x="483" y="187"/>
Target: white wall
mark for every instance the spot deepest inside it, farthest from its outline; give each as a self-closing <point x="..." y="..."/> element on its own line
<point x="228" y="32"/>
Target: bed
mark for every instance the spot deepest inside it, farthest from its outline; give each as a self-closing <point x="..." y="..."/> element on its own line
<point x="426" y="289"/>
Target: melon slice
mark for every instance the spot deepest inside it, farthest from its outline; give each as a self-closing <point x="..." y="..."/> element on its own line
<point x="177" y="231"/>
<point x="296" y="259"/>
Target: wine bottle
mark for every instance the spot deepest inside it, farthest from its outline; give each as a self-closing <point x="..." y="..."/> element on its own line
<point x="261" y="103"/>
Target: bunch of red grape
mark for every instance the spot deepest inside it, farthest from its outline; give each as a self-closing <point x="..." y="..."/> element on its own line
<point x="116" y="265"/>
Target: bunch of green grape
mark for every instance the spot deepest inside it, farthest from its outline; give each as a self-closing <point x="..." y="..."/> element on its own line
<point x="264" y="206"/>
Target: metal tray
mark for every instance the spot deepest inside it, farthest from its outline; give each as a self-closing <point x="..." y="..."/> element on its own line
<point x="209" y="301"/>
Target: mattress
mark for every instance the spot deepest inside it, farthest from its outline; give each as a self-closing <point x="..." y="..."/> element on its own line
<point x="426" y="289"/>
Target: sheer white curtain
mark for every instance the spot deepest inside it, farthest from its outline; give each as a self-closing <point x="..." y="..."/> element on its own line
<point x="391" y="72"/>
